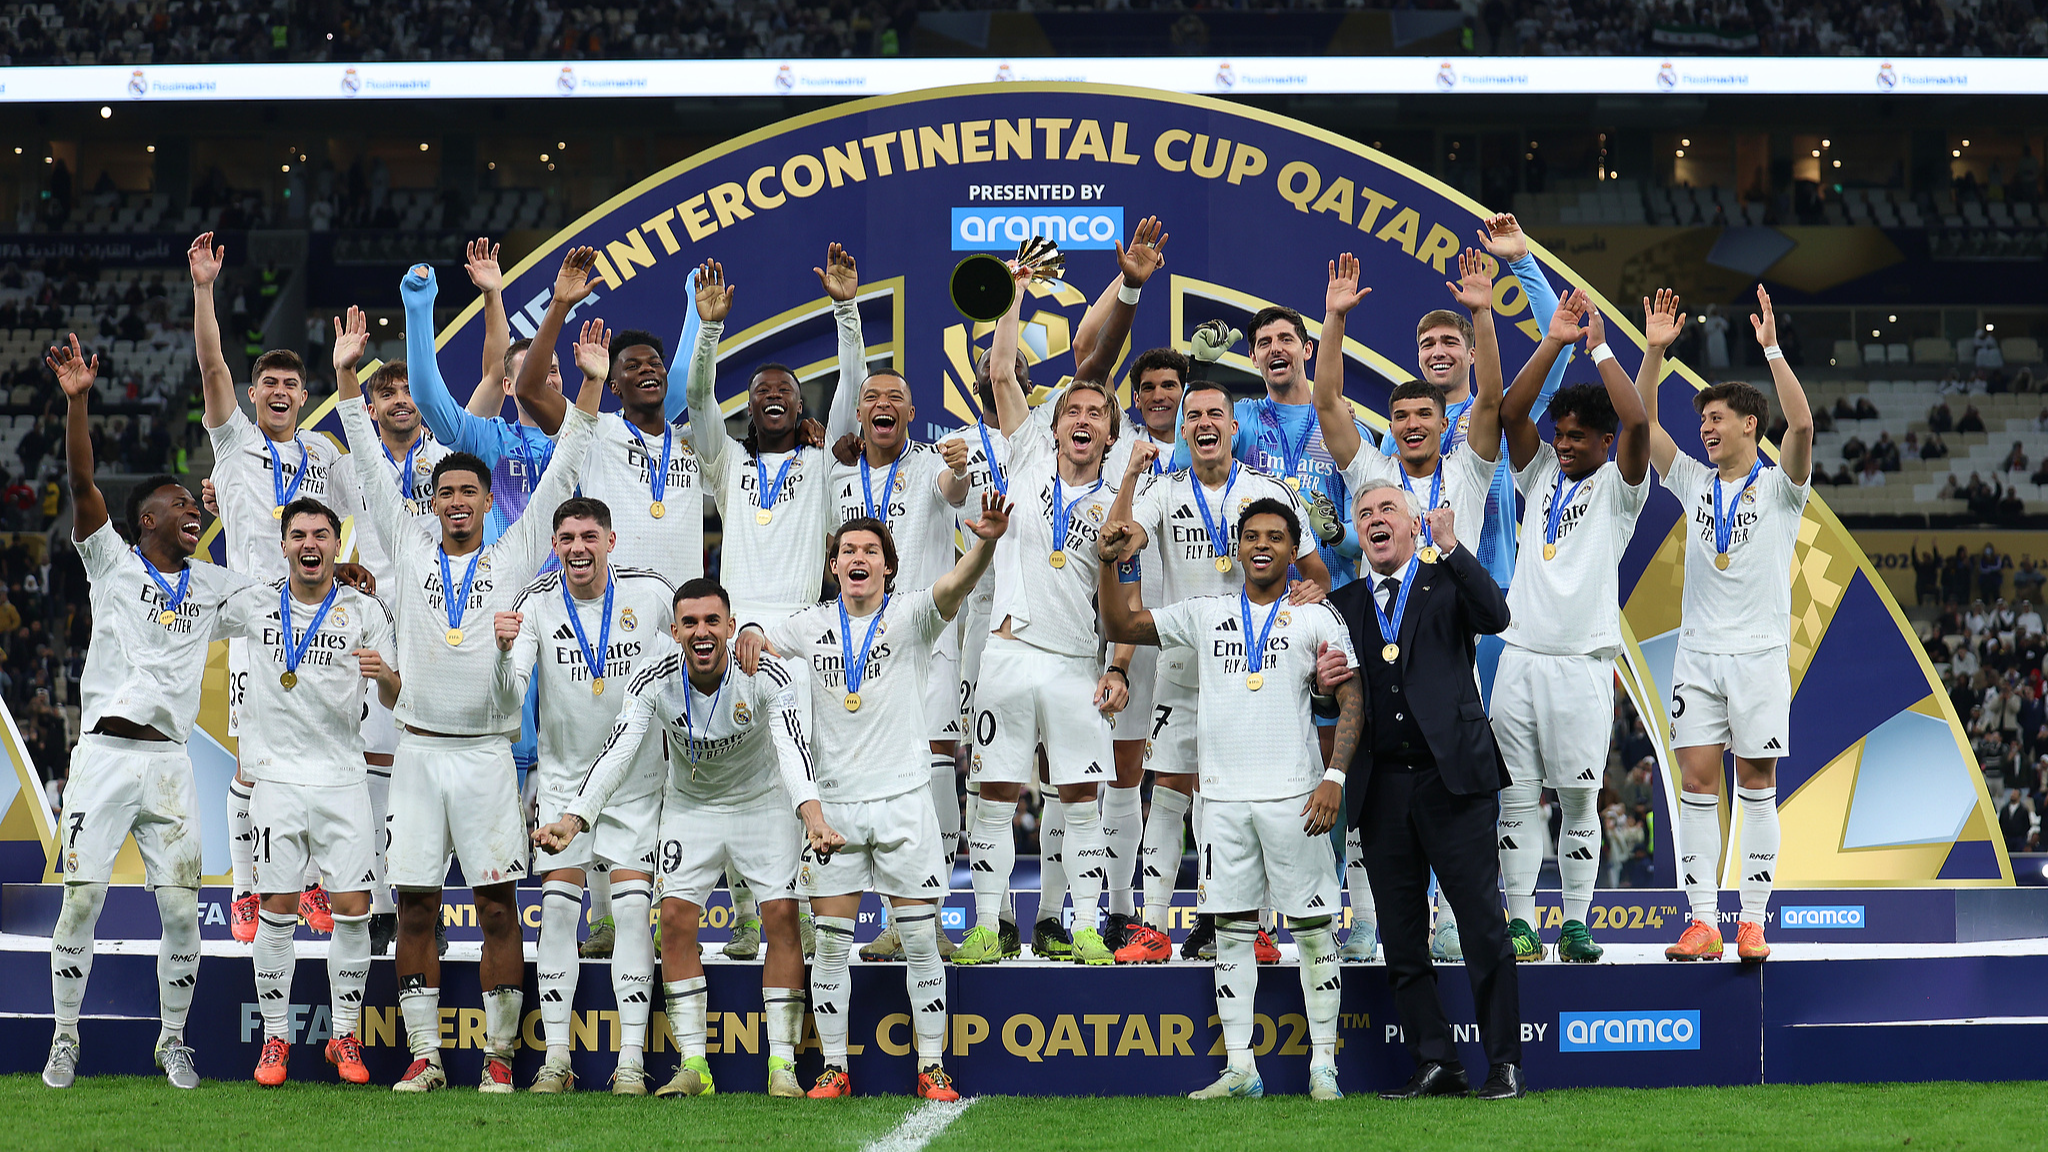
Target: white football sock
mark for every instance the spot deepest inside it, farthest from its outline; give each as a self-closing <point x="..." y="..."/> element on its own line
<point x="784" y="1009"/>
<point x="686" y="1014"/>
<point x="1321" y="989"/>
<point x="1084" y="848"/>
<point x="420" y="1007"/>
<point x="177" y="958"/>
<point x="924" y="977"/>
<point x="1521" y="847"/>
<point x="1195" y="810"/>
<point x="1159" y="854"/>
<point x="379" y="777"/>
<point x="1052" y="867"/>
<point x="1699" y="854"/>
<point x="1123" y="827"/>
<point x="241" y="839"/>
<point x="1578" y="849"/>
<point x="633" y="967"/>
<point x="992" y="852"/>
<point x="71" y="952"/>
<point x="946" y="802"/>
<point x="348" y="970"/>
<point x="830" y="997"/>
<point x="599" y="881"/>
<point x="502" y="1013"/>
<point x="1759" y="849"/>
<point x="556" y="966"/>
<point x="275" y="961"/>
<point x="1365" y="911"/>
<point x="1237" y="982"/>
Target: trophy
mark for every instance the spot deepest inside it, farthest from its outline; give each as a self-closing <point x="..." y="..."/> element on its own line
<point x="982" y="287"/>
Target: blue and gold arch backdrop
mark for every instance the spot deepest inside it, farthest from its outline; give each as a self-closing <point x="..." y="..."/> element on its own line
<point x="1880" y="787"/>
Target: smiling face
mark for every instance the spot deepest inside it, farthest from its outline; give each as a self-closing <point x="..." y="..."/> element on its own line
<point x="1417" y="425"/>
<point x="703" y="626"/>
<point x="519" y="360"/>
<point x="583" y="546"/>
<point x="775" y="403"/>
<point x="1443" y="356"/>
<point x="1159" y="394"/>
<point x="1265" y="549"/>
<point x="391" y="405"/>
<point x="279" y="394"/>
<point x="1386" y="526"/>
<point x="461" y="500"/>
<point x="169" y="518"/>
<point x="1085" y="425"/>
<point x="1208" y="424"/>
<point x="1580" y="449"/>
<point x="885" y="411"/>
<point x="639" y="378"/>
<point x="1725" y="433"/>
<point x="310" y="545"/>
<point x="1281" y="354"/>
<point x="861" y="565"/>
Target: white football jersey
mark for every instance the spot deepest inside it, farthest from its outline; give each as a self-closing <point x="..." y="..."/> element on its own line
<point x="1569" y="604"/>
<point x="879" y="750"/>
<point x="1467" y="478"/>
<point x="310" y="733"/>
<point x="1049" y="607"/>
<point x="620" y="472"/>
<point x="414" y="484"/>
<point x="1255" y="744"/>
<point x="919" y="518"/>
<point x="249" y="491"/>
<point x="1748" y="606"/>
<point x="988" y="457"/>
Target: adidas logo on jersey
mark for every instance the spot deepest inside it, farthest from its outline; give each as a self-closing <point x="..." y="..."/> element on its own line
<point x="828" y="638"/>
<point x="1580" y="853"/>
<point x="1182" y="513"/>
<point x="563" y="633"/>
<point x="1315" y="902"/>
<point x="1772" y="745"/>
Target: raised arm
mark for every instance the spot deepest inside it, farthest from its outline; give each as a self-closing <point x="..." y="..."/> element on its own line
<point x="707" y="423"/>
<point x="1123" y="620"/>
<point x="1100" y="339"/>
<point x="572" y="285"/>
<point x="841" y="280"/>
<point x="1474" y="290"/>
<point x="1480" y="601"/>
<point x="1795" y="451"/>
<point x="75" y="375"/>
<point x="482" y="266"/>
<point x="1632" y="435"/>
<point x="1123" y="508"/>
<point x="1517" y="423"/>
<point x="526" y="540"/>
<point x="387" y="514"/>
<point x="952" y="589"/>
<point x="1011" y="410"/>
<point x="1504" y="238"/>
<point x="446" y="419"/>
<point x="216" y="383"/>
<point x="1662" y="322"/>
<point x="1333" y="412"/>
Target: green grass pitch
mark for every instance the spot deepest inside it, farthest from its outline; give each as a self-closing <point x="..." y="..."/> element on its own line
<point x="114" y="1112"/>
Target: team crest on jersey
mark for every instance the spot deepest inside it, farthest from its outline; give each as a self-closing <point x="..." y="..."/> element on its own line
<point x="628" y="621"/>
<point x="1749" y="496"/>
<point x="740" y="715"/>
<point x="1465" y="420"/>
<point x="71" y="862"/>
<point x="804" y="875"/>
<point x="484" y="563"/>
<point x="1286" y="617"/>
<point x="1096" y="514"/>
<point x="340" y="617"/>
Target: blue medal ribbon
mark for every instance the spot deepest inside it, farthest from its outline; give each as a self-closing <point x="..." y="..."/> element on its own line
<point x="295" y="647"/>
<point x="1558" y="499"/>
<point x="457" y="602"/>
<point x="286" y="494"/>
<point x="1063" y="509"/>
<point x="995" y="470"/>
<point x="867" y="491"/>
<point x="690" y="742"/>
<point x="405" y="491"/>
<point x="1219" y="528"/>
<point x="1255" y="654"/>
<point x="1724" y="525"/>
<point x="657" y="479"/>
<point x="1390" y="627"/>
<point x="172" y="599"/>
<point x="1290" y="454"/>
<point x="770" y="492"/>
<point x="856" y="663"/>
<point x="1436" y="492"/>
<point x="593" y="661"/>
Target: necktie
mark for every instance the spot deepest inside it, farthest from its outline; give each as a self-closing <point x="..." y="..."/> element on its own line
<point x="1390" y="588"/>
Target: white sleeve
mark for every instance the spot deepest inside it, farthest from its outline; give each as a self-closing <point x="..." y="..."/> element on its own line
<point x="1792" y="494"/>
<point x="1175" y="624"/>
<point x="925" y="621"/>
<point x="1368" y="468"/>
<point x="613" y="763"/>
<point x="387" y="511"/>
<point x="524" y="545"/>
<point x="231" y="434"/>
<point x="1685" y="478"/>
<point x="843" y="419"/>
<point x="707" y="423"/>
<point x="1337" y="634"/>
<point x="103" y="551"/>
<point x="1148" y="505"/>
<point x="1531" y="478"/>
<point x="792" y="743"/>
<point x="382" y="635"/>
<point x="516" y="667"/>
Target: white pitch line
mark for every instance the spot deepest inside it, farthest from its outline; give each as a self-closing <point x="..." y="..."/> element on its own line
<point x="920" y="1127"/>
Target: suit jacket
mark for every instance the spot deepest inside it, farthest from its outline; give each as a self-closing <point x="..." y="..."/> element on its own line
<point x="1453" y="601"/>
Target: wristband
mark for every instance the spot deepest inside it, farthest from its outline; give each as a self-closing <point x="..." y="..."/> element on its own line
<point x="1773" y="352"/>
<point x="1602" y="353"/>
<point x="1333" y="776"/>
<point x="1118" y="669"/>
<point x="1128" y="294"/>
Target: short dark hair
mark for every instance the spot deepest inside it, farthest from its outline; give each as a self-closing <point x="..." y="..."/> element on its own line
<point x="589" y="507"/>
<point x="1153" y="359"/>
<point x="281" y="358"/>
<point x="869" y="524"/>
<point x="632" y="337"/>
<point x="1589" y="404"/>
<point x="772" y="366"/>
<point x="306" y="506"/>
<point x="462" y="462"/>
<point x="1275" y="313"/>
<point x="1740" y="395"/>
<point x="388" y="370"/>
<point x="514" y="349"/>
<point x="1267" y="506"/>
<point x="1194" y="386"/>
<point x="699" y="588"/>
<point x="1418" y="389"/>
<point x="1445" y="318"/>
<point x="149" y="486"/>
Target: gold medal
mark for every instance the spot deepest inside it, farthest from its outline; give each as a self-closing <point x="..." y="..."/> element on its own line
<point x="657" y="510"/>
<point x="1255" y="681"/>
<point x="290" y="680"/>
<point x="597" y="686"/>
<point x="853" y="701"/>
<point x="277" y="512"/>
<point x="1550" y="551"/>
<point x="763" y="516"/>
<point x="1058" y="559"/>
<point x="455" y="637"/>
<point x="1223" y="563"/>
<point x="1390" y="653"/>
<point x="1428" y="553"/>
<point x="167" y="617"/>
<point x="1721" y="561"/>
<point x="1294" y="482"/>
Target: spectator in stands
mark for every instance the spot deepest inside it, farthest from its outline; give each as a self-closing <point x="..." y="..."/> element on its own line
<point x="2023" y="380"/>
<point x="1887" y="452"/>
<point x="1843" y="478"/>
<point x="1988" y="355"/>
<point x="1972" y="421"/>
<point x="1872" y="476"/>
<point x="1865" y="410"/>
<point x="1843" y="409"/>
<point x="2033" y="715"/>
<point x="2010" y="509"/>
<point x="1991" y="568"/>
<point x="1951" y="619"/>
<point x="2015" y="821"/>
<point x="2026" y="588"/>
<point x="1962" y="693"/>
<point x="1953" y="384"/>
<point x="2016" y="460"/>
<point x="1934" y="447"/>
<point x="1933" y="645"/>
<point x="2004" y="620"/>
<point x="1951" y="490"/>
<point x="1939" y="418"/>
<point x="1714" y="329"/>
<point x="1854" y="449"/>
<point x="1776" y="432"/>
<point x="1926" y="573"/>
<point x="1977" y="621"/>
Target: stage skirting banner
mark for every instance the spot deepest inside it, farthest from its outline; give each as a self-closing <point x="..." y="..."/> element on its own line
<point x="1877" y="788"/>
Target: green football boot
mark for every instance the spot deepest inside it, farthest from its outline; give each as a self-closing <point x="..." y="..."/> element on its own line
<point x="1051" y="941"/>
<point x="1575" y="944"/>
<point x="603" y="934"/>
<point x="746" y="940"/>
<point x="1089" y="948"/>
<point x="1528" y="945"/>
<point x="980" y="947"/>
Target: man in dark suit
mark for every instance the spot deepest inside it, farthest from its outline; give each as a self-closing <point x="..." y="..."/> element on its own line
<point x="1428" y="795"/>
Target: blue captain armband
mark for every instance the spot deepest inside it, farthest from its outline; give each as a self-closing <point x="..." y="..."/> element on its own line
<point x="1127" y="571"/>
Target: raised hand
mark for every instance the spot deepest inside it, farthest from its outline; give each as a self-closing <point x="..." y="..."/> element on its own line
<point x="1564" y="323"/>
<point x="1474" y="287"/>
<point x="849" y="449"/>
<point x="572" y="282"/>
<point x="1503" y="236"/>
<point x="1764" y="320"/>
<point x="1662" y="321"/>
<point x="840" y="276"/>
<point x="1143" y="453"/>
<point x="505" y="625"/>
<point x="205" y="260"/>
<point x="351" y="339"/>
<point x="209" y="497"/>
<point x="714" y="295"/>
<point x="1116" y="541"/>
<point x="1145" y="255"/>
<point x="1596" y="329"/>
<point x="593" y="350"/>
<point x="1440" y="527"/>
<point x="481" y="262"/>
<point x="1344" y="293"/>
<point x="994" y="519"/>
<point x="956" y="455"/>
<point x="75" y="373"/>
